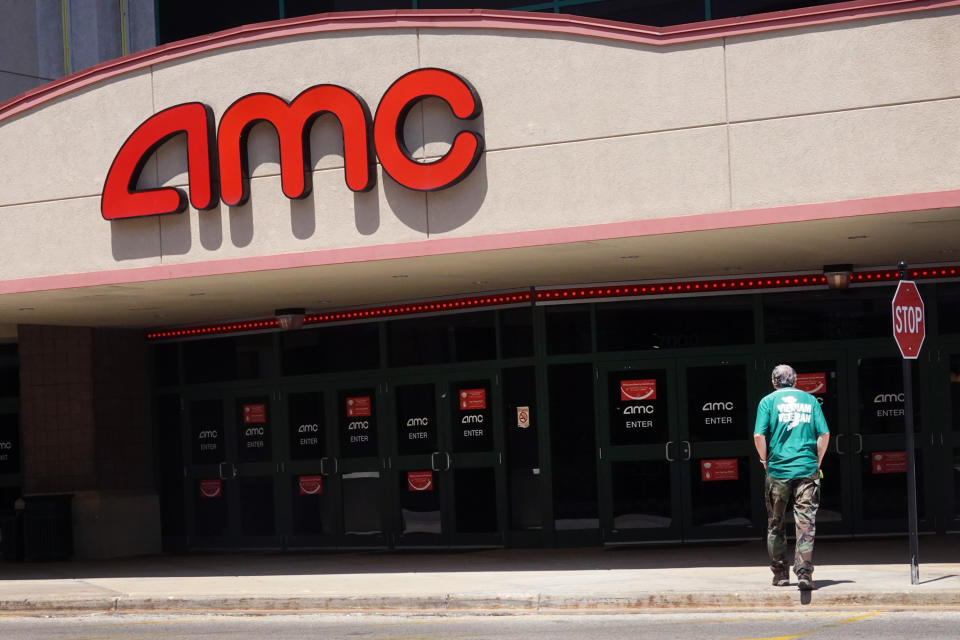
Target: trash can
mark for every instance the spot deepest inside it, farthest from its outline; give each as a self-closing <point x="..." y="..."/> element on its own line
<point x="11" y="535"/>
<point x="47" y="528"/>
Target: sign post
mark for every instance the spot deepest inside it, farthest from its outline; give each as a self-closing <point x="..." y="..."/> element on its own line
<point x="909" y="330"/>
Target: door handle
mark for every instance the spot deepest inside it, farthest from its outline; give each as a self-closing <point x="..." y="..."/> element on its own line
<point x="449" y="460"/>
<point x="433" y="461"/>
<point x="689" y="449"/>
<point x="859" y="443"/>
<point x="666" y="451"/>
<point x="227" y="470"/>
<point x="839" y="435"/>
<point x="323" y="466"/>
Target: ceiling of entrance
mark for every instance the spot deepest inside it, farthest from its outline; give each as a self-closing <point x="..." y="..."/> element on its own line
<point x="920" y="237"/>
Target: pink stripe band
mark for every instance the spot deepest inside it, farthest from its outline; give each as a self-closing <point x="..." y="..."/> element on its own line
<point x="500" y="241"/>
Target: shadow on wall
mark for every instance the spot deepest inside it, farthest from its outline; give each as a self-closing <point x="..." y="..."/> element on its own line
<point x="428" y="213"/>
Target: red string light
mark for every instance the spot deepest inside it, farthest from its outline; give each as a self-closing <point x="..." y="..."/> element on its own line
<point x="730" y="284"/>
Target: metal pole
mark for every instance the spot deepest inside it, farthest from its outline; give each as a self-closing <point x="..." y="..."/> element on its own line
<point x="911" y="458"/>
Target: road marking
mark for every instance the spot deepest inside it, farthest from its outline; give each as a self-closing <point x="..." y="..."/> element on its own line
<point x="839" y="623"/>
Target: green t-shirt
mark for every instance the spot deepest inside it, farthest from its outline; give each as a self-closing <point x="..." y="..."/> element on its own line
<point x="792" y="420"/>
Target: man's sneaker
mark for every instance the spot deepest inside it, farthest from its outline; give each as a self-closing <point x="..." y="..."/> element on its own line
<point x="805" y="583"/>
<point x="781" y="579"/>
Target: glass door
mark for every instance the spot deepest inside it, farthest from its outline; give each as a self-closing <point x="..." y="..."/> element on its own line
<point x="639" y="452"/>
<point x="948" y="442"/>
<point x="721" y="478"/>
<point x="823" y="374"/>
<point x="230" y="475"/>
<point x="879" y="459"/>
<point x="449" y="481"/>
<point x="357" y="466"/>
<point x="335" y="473"/>
<point x="312" y="487"/>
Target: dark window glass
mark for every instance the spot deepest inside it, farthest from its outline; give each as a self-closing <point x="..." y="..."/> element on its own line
<point x="672" y="324"/>
<point x="416" y="418"/>
<point x="210" y="506"/>
<point x="827" y="315"/>
<point x="651" y="12"/>
<point x="311" y="506"/>
<point x="170" y="452"/>
<point x="475" y="498"/>
<point x="179" y="19"/>
<point x="523" y="453"/>
<point x="467" y="4"/>
<point x="884" y="495"/>
<point x="641" y="494"/>
<point x="717" y="403"/>
<point x="256" y="505"/>
<point x="516" y="332"/>
<point x="362" y="508"/>
<point x="520" y="417"/>
<point x="166" y="362"/>
<point x="9" y="443"/>
<point x="9" y="495"/>
<point x="9" y="371"/>
<point x="418" y="495"/>
<point x="330" y="349"/>
<point x="308" y="7"/>
<point x="206" y="427"/>
<point x="733" y="8"/>
<point x="573" y="448"/>
<point x="308" y="427"/>
<point x="254" y="425"/>
<point x="471" y="407"/>
<point x="568" y="329"/>
<point x="882" y="402"/>
<point x="233" y="358"/>
<point x="357" y="422"/>
<point x="948" y="307"/>
<point x="720" y="492"/>
<point x="639" y="412"/>
<point x="464" y="337"/>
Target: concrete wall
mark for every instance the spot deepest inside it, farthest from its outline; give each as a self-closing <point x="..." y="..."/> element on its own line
<point x="578" y="130"/>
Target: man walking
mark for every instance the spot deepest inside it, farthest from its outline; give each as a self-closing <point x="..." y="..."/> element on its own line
<point x="791" y="437"/>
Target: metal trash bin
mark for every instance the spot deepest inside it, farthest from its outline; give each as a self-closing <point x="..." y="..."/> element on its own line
<point x="47" y="528"/>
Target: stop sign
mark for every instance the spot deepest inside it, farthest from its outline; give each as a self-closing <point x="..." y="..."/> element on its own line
<point x="908" y="319"/>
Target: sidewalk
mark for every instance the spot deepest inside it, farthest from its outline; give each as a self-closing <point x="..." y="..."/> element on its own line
<point x="871" y="573"/>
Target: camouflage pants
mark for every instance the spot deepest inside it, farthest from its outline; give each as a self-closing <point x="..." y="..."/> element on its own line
<point x="805" y="493"/>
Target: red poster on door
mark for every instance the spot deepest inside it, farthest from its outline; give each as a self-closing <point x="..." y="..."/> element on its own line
<point x="254" y="414"/>
<point x="419" y="480"/>
<point x="358" y="407"/>
<point x="310" y="485"/>
<point x="815" y="383"/>
<point x="719" y="470"/>
<point x="212" y="488"/>
<point x="633" y="390"/>
<point x="888" y="462"/>
<point x="473" y="399"/>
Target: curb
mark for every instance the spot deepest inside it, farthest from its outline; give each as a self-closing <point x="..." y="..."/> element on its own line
<point x="480" y="604"/>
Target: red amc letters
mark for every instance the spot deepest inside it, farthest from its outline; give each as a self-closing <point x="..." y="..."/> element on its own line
<point x="223" y="152"/>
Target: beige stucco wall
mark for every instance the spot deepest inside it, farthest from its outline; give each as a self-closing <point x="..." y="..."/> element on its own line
<point x="578" y="131"/>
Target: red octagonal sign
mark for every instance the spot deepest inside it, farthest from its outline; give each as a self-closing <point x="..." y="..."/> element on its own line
<point x="908" y="319"/>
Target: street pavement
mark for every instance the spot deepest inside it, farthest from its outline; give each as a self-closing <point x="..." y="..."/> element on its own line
<point x="850" y="573"/>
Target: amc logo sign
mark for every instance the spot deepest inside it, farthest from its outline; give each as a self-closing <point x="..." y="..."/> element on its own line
<point x="220" y="156"/>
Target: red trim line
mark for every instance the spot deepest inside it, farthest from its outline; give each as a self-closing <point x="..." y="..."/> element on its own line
<point x="517" y="240"/>
<point x="564" y="294"/>
<point x="467" y="19"/>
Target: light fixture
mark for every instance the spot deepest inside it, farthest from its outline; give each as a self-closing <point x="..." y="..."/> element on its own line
<point x="838" y="275"/>
<point x="290" y="318"/>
